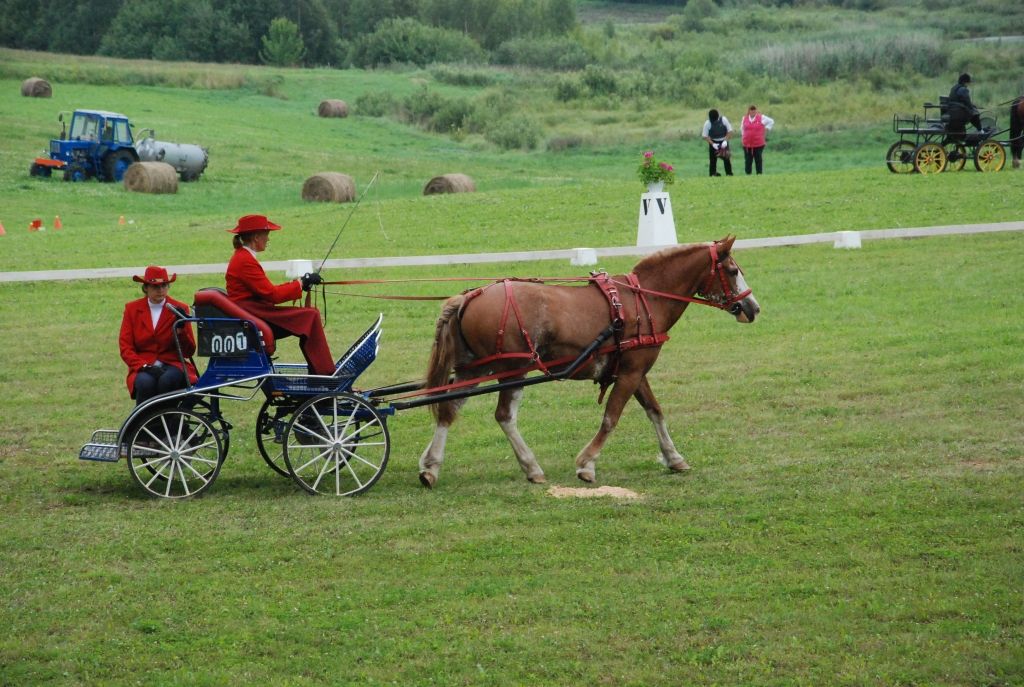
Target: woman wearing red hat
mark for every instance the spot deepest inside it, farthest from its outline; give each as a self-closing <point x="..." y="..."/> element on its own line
<point x="247" y="285"/>
<point x="147" y="339"/>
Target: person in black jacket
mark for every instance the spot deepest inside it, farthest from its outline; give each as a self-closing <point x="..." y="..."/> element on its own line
<point x="961" y="109"/>
<point x="717" y="131"/>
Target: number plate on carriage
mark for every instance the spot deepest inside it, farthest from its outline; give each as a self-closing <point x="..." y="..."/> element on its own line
<point x="223" y="339"/>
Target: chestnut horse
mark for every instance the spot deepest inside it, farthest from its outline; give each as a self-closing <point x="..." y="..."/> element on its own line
<point x="1017" y="130"/>
<point x="529" y="325"/>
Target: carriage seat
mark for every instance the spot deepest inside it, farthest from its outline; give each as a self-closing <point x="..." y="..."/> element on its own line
<point x="214" y="302"/>
<point x="942" y="107"/>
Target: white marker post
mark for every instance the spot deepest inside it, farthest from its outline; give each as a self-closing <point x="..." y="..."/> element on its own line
<point x="297" y="268"/>
<point x="656" y="226"/>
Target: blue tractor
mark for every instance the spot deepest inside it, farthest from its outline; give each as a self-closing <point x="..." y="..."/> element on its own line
<point x="99" y="145"/>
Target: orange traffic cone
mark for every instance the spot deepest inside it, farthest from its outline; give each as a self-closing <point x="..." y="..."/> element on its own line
<point x="120" y="220"/>
<point x="35" y="225"/>
<point x="2" y="232"/>
<point x="56" y="223"/>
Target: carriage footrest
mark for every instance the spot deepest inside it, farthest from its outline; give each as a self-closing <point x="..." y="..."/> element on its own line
<point x="102" y="447"/>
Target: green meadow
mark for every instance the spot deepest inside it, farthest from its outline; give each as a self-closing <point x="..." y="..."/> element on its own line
<point x="854" y="510"/>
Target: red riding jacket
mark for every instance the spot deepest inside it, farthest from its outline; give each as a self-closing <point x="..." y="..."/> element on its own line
<point x="143" y="345"/>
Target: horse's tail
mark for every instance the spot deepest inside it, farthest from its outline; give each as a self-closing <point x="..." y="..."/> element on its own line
<point x="1017" y="129"/>
<point x="443" y="355"/>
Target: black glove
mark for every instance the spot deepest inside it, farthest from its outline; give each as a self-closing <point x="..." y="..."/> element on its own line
<point x="311" y="279"/>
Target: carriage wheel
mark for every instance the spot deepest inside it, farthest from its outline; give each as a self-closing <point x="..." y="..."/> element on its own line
<point x="957" y="157"/>
<point x="929" y="158"/>
<point x="174" y="453"/>
<point x="221" y="425"/>
<point x="990" y="156"/>
<point x="336" y="445"/>
<point x="900" y="158"/>
<point x="270" y="427"/>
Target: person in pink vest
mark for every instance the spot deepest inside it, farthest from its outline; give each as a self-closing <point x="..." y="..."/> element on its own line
<point x="754" y="131"/>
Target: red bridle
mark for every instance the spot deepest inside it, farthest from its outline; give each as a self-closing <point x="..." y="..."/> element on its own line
<point x="728" y="300"/>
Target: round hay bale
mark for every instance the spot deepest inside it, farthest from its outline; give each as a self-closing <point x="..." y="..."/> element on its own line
<point x="449" y="183"/>
<point x="333" y="108"/>
<point x="151" y="177"/>
<point x="329" y="187"/>
<point x="35" y="87"/>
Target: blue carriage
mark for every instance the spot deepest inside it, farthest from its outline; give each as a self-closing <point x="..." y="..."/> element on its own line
<point x="318" y="430"/>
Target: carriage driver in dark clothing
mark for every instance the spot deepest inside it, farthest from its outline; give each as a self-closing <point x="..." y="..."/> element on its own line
<point x="961" y="109"/>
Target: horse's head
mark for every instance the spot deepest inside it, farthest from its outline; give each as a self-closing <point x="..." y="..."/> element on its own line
<point x="725" y="285"/>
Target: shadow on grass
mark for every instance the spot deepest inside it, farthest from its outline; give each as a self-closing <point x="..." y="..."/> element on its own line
<point x="118" y="484"/>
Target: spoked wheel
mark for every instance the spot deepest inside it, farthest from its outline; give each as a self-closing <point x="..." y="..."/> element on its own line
<point x="174" y="453"/>
<point x="929" y="158"/>
<point x="957" y="157"/>
<point x="990" y="156"/>
<point x="336" y="445"/>
<point x="213" y="416"/>
<point x="900" y="158"/>
<point x="270" y="427"/>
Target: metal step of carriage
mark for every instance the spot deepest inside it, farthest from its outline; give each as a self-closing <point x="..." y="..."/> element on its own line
<point x="102" y="447"/>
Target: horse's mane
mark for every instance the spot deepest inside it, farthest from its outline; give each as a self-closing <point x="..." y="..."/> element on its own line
<point x="654" y="260"/>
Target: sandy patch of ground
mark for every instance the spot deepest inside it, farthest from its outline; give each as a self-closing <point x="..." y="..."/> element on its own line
<point x="588" y="492"/>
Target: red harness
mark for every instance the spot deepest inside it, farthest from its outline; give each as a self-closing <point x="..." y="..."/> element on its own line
<point x="608" y="287"/>
<point x="647" y="335"/>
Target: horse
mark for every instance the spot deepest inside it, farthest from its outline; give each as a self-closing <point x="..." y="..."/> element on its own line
<point x="552" y="325"/>
<point x="1017" y="130"/>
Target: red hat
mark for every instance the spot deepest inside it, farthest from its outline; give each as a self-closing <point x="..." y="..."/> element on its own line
<point x="155" y="275"/>
<point x="251" y="223"/>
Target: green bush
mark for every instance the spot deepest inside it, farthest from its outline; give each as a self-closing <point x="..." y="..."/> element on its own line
<point x="451" y="116"/>
<point x="549" y="52"/>
<point x="375" y="104"/>
<point x="600" y="80"/>
<point x="461" y="76"/>
<point x="420" y="107"/>
<point x="568" y="88"/>
<point x="514" y="133"/>
<point x="409" y="41"/>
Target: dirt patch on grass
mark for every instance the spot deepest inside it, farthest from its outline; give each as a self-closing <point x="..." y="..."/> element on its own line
<point x="587" y="492"/>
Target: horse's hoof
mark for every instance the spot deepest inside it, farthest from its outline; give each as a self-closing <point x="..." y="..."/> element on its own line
<point x="537" y="479"/>
<point x="587" y="476"/>
<point x="427" y="480"/>
<point x="681" y="466"/>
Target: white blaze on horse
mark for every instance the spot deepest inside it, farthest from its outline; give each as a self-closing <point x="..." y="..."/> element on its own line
<point x="509" y="328"/>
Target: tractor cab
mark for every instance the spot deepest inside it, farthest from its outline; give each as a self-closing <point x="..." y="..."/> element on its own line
<point x="107" y="127"/>
<point x="99" y="144"/>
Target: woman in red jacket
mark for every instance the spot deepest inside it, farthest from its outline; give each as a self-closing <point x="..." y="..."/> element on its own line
<point x="247" y="285"/>
<point x="147" y="339"/>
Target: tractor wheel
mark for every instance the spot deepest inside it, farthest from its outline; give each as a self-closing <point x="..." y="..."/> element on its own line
<point x="116" y="163"/>
<point x="76" y="171"/>
<point x="38" y="170"/>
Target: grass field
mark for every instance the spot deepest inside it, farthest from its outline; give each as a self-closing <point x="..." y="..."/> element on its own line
<point x="853" y="515"/>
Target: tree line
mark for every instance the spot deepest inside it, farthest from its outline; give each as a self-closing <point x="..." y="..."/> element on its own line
<point x="307" y="32"/>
